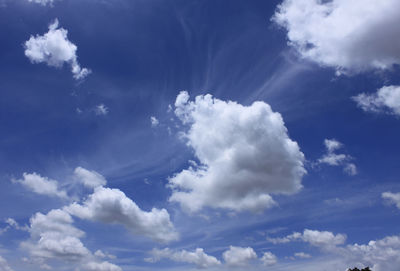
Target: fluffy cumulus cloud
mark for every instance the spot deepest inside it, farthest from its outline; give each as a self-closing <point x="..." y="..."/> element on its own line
<point x="381" y="255"/>
<point x="53" y="236"/>
<point x="316" y="238"/>
<point x="197" y="257"/>
<point x="41" y="185"/>
<point x="392" y="198"/>
<point x="239" y="256"/>
<point x="113" y="206"/>
<point x="385" y="100"/>
<point x="4" y="265"/>
<point x="101" y="266"/>
<point x="90" y="179"/>
<point x="334" y="159"/>
<point x="245" y="155"/>
<point x="351" y="36"/>
<point x="269" y="259"/>
<point x="54" y="49"/>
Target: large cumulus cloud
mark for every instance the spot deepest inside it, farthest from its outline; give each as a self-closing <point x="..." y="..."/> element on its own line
<point x="350" y="36"/>
<point x="245" y="155"/>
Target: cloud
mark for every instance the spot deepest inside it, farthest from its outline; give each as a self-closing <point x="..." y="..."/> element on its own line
<point x="381" y="255"/>
<point x="102" y="266"/>
<point x="350" y="36"/>
<point x="245" y="154"/>
<point x="114" y="207"/>
<point x="43" y="2"/>
<point x="197" y="257"/>
<point x="333" y="159"/>
<point x="90" y="179"/>
<point x="154" y="121"/>
<point x="386" y="100"/>
<point x="302" y="255"/>
<point x="41" y="185"/>
<point x="393" y="198"/>
<point x="54" y="237"/>
<point x="54" y="49"/>
<point x="239" y="256"/>
<point x="101" y="110"/>
<point x="268" y="259"/>
<point x="4" y="265"/>
<point x="316" y="238"/>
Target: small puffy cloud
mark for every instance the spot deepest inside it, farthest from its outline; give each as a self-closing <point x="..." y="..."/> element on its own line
<point x="101" y="266"/>
<point x="302" y="255"/>
<point x="154" y="121"/>
<point x="4" y="265"/>
<point x="268" y="259"/>
<point x="101" y="110"/>
<point x="239" y="256"/>
<point x="392" y="198"/>
<point x="113" y="206"/>
<point x="385" y="100"/>
<point x="90" y="179"/>
<point x="54" y="237"/>
<point x="323" y="238"/>
<point x="197" y="257"/>
<point x="42" y="2"/>
<point x="245" y="155"/>
<point x="350" y="36"/>
<point x="41" y="185"/>
<point x="316" y="238"/>
<point x="54" y="49"/>
<point x="333" y="159"/>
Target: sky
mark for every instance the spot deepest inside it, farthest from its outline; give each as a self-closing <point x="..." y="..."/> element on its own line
<point x="155" y="135"/>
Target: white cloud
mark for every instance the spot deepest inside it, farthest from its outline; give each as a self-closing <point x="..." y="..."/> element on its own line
<point x="101" y="110"/>
<point x="54" y="49"/>
<point x="113" y="206"/>
<point x="41" y="185"/>
<point x="385" y="100"/>
<point x="43" y="2"/>
<point x="302" y="255"/>
<point x="350" y="36"/>
<point x="245" y="155"/>
<point x="268" y="259"/>
<point x="239" y="256"/>
<point x="54" y="237"/>
<point x="332" y="145"/>
<point x="102" y="254"/>
<point x="333" y="159"/>
<point x="103" y="266"/>
<point x="323" y="238"/>
<point x="316" y="238"/>
<point x="4" y="265"/>
<point x="381" y="255"/>
<point x="393" y="198"/>
<point x="154" y="121"/>
<point x="197" y="257"/>
<point x="88" y="178"/>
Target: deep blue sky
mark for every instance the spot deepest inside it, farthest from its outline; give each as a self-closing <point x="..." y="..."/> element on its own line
<point x="142" y="53"/>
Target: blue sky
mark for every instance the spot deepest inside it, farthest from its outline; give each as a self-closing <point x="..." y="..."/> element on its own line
<point x="202" y="134"/>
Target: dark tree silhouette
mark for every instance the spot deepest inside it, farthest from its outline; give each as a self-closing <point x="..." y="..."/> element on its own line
<point x="356" y="269"/>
